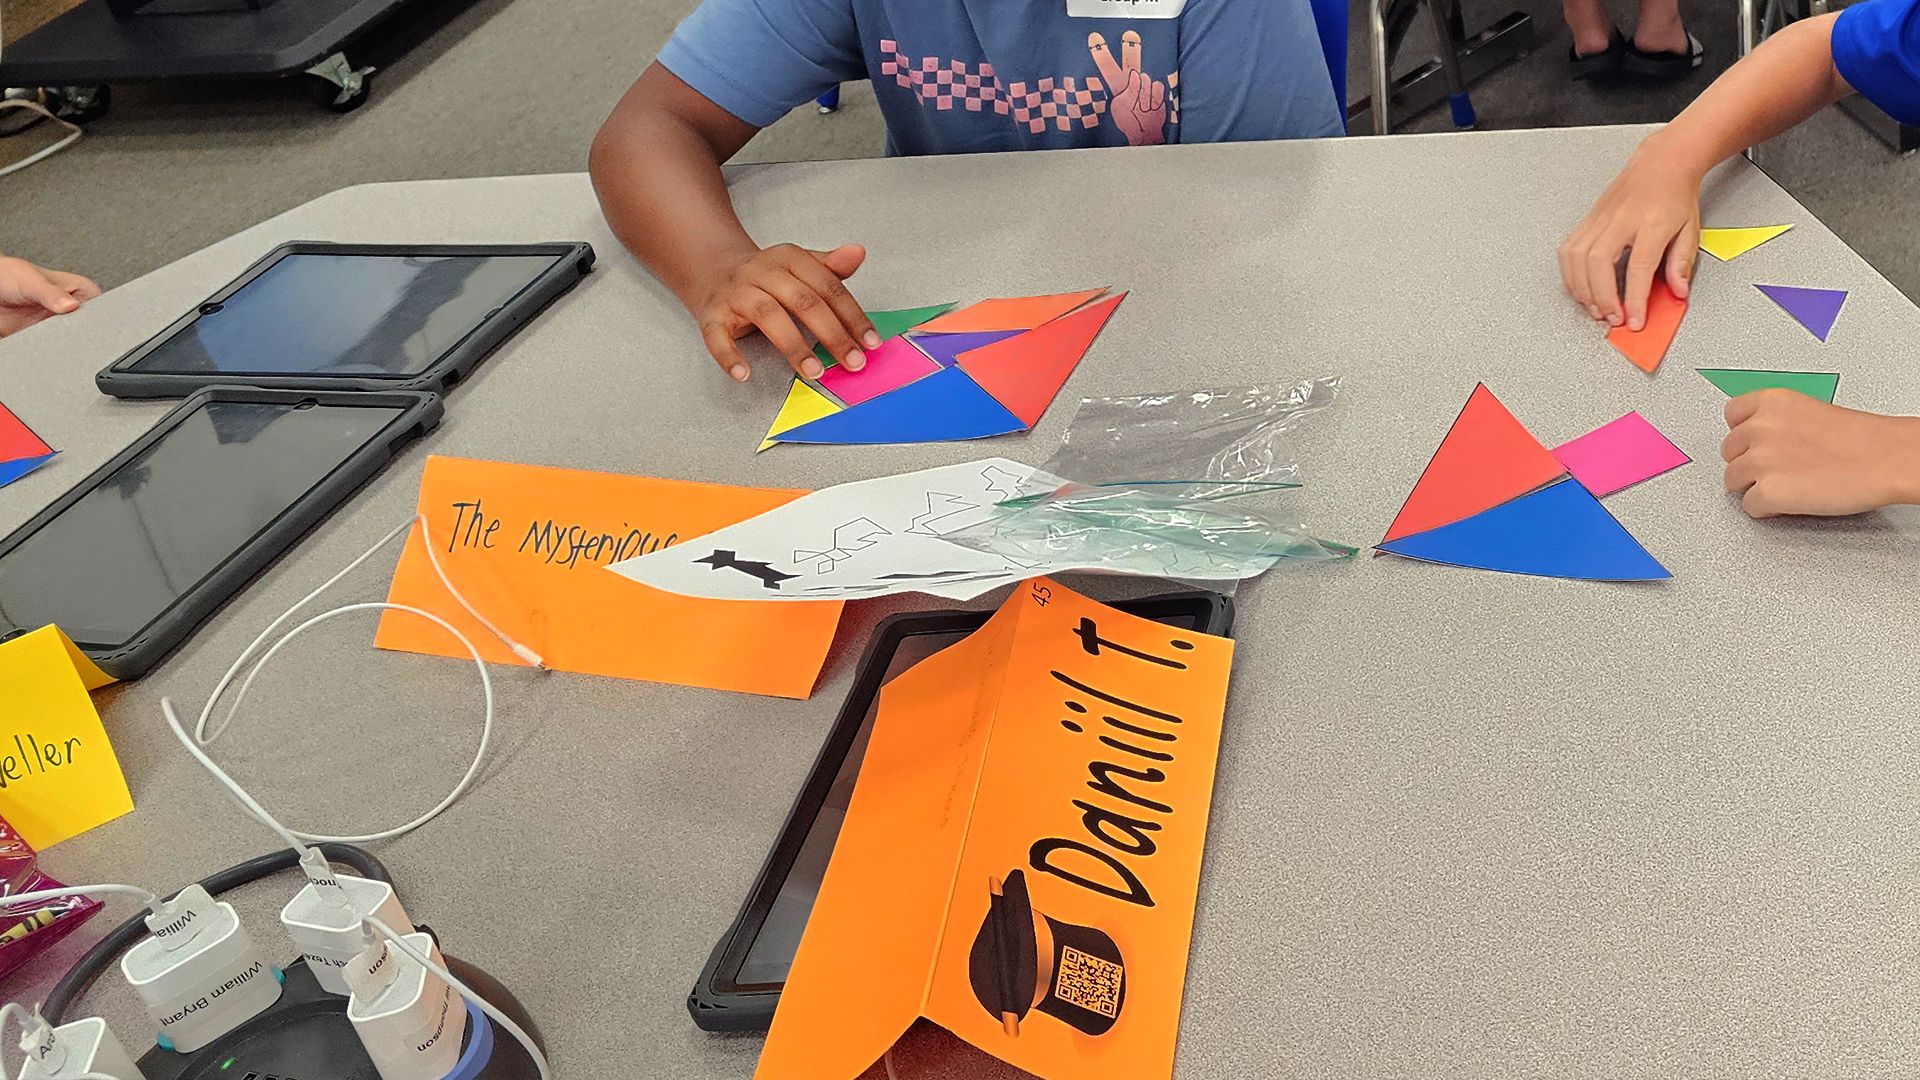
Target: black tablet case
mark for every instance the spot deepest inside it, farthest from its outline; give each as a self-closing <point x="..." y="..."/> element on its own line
<point x="573" y="261"/>
<point x="714" y="1003"/>
<point x="421" y="413"/>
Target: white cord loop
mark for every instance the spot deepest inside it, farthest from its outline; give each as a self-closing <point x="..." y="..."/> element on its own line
<point x="197" y="741"/>
<point x="201" y="737"/>
<point x="72" y="135"/>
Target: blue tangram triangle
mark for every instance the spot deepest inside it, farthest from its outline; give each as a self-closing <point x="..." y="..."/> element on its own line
<point x="1559" y="531"/>
<point x="19" y="467"/>
<point x="946" y="406"/>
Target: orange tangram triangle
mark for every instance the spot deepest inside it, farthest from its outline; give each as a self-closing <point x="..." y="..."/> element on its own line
<point x="1025" y="372"/>
<point x="1486" y="459"/>
<point x="1647" y="346"/>
<point x="1011" y="313"/>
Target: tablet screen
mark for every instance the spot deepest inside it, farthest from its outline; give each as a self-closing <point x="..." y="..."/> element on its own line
<point x="360" y="315"/>
<point x="143" y="537"/>
<point x="769" y="957"/>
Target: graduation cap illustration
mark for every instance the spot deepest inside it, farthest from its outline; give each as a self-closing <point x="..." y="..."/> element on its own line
<point x="1024" y="961"/>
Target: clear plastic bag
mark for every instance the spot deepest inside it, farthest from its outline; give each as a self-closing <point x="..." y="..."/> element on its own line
<point x="1193" y="443"/>
<point x="1164" y="485"/>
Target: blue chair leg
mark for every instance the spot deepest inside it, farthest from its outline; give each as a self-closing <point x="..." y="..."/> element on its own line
<point x="830" y="101"/>
<point x="1458" y="99"/>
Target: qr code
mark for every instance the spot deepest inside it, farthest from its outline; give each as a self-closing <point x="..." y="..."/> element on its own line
<point x="1089" y="982"/>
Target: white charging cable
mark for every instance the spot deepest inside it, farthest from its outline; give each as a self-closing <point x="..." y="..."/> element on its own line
<point x="34" y="1029"/>
<point x="520" y="1035"/>
<point x="38" y="896"/>
<point x="36" y="1033"/>
<point x="72" y="136"/>
<point x="201" y="737"/>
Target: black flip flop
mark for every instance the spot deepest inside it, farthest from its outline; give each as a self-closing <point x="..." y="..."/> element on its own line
<point x="1600" y="63"/>
<point x="1664" y="65"/>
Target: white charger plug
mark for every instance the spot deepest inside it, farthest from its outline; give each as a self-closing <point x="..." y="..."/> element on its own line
<point x="200" y="974"/>
<point x="82" y="1048"/>
<point x="325" y="919"/>
<point x="410" y="1020"/>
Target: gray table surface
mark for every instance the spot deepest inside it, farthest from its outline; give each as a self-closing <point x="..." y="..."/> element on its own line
<point x="1466" y="824"/>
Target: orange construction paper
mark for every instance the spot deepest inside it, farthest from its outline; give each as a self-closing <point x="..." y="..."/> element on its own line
<point x="1486" y="459"/>
<point x="528" y="547"/>
<point x="1012" y="313"/>
<point x="1021" y="857"/>
<point x="1026" y="371"/>
<point x="1647" y="346"/>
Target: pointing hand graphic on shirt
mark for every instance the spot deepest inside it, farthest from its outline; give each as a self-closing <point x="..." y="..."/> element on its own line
<point x="1137" y="101"/>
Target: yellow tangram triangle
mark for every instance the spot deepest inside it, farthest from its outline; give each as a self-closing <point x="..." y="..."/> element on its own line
<point x="1729" y="244"/>
<point x="804" y="406"/>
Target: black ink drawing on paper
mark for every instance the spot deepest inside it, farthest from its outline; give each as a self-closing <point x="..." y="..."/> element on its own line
<point x="856" y="535"/>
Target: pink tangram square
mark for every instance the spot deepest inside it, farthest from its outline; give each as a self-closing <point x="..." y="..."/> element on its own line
<point x="893" y="365"/>
<point x="1620" y="455"/>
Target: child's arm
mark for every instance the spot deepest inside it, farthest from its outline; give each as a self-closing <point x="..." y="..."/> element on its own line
<point x="30" y="293"/>
<point x="656" y="168"/>
<point x="1653" y="206"/>
<point x="1791" y="454"/>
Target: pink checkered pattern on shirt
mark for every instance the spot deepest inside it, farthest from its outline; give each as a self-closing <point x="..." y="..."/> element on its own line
<point x="1059" y="102"/>
<point x="945" y="85"/>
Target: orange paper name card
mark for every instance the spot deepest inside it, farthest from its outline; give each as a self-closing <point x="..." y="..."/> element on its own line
<point x="1021" y="857"/>
<point x="528" y="546"/>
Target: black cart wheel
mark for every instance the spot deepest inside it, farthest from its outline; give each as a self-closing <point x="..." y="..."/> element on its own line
<point x="75" y="104"/>
<point x="81" y="104"/>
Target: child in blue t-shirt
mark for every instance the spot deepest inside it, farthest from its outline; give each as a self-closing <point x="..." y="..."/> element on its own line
<point x="951" y="76"/>
<point x="1788" y="453"/>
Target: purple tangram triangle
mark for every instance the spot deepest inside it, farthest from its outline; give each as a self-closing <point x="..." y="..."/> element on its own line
<point x="1815" y="309"/>
<point x="944" y="349"/>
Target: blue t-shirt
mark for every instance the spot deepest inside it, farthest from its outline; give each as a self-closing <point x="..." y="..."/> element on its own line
<point x="1876" y="47"/>
<point x="961" y="76"/>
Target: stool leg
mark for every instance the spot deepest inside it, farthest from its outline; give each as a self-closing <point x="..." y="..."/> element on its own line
<point x="1747" y="36"/>
<point x="1449" y="45"/>
<point x="1382" y="69"/>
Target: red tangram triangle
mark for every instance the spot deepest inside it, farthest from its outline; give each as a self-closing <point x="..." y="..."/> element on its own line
<point x="1025" y="372"/>
<point x="1485" y="460"/>
<point x="17" y="440"/>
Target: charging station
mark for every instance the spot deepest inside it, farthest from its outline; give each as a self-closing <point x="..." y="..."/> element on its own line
<point x="305" y="1034"/>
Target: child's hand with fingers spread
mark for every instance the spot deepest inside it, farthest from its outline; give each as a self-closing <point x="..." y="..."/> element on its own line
<point x="30" y="293"/>
<point x="1651" y="209"/>
<point x="1792" y="454"/>
<point x="781" y="292"/>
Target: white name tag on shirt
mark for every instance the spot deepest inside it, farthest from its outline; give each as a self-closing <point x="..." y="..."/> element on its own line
<point x="1125" y="9"/>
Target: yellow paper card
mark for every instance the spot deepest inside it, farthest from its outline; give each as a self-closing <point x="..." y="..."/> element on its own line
<point x="804" y="406"/>
<point x="58" y="773"/>
<point x="90" y="674"/>
<point x="1729" y="244"/>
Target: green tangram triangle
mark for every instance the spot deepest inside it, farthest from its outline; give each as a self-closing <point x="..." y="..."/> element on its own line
<point x="890" y="324"/>
<point x="1736" y="381"/>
